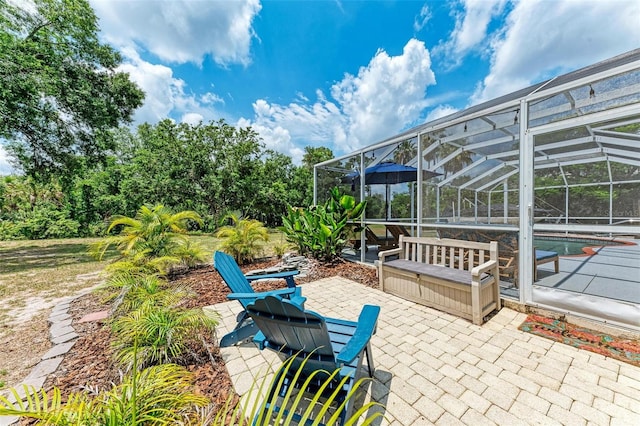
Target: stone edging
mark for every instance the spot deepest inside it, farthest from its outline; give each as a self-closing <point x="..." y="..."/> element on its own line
<point x="63" y="337"/>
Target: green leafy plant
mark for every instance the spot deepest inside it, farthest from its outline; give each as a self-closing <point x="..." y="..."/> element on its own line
<point x="152" y="241"/>
<point x="240" y="239"/>
<point x="312" y="406"/>
<point x="164" y="395"/>
<point x="322" y="231"/>
<point x="161" y="334"/>
<point x="156" y="395"/>
<point x="137" y="291"/>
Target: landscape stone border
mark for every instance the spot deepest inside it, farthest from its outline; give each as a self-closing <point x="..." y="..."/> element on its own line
<point x="63" y="336"/>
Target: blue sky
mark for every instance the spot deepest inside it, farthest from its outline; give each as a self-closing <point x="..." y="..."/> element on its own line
<point x="347" y="74"/>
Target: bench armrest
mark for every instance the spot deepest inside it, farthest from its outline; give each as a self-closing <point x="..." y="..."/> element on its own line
<point x="484" y="268"/>
<point x="384" y="254"/>
<point x="367" y="322"/>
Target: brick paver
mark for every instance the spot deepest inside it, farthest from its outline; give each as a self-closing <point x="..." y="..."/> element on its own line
<point x="434" y="368"/>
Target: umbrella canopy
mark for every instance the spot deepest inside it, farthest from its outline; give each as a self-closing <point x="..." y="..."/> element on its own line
<point x="388" y="173"/>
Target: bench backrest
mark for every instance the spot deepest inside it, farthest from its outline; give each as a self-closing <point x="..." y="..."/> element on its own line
<point x="458" y="254"/>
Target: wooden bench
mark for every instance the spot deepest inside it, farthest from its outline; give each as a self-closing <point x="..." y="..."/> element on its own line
<point x="456" y="276"/>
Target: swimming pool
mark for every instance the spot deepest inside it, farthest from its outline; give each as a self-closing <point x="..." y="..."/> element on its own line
<point x="569" y="246"/>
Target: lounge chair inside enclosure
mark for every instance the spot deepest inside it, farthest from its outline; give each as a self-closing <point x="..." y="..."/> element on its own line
<point x="397" y="230"/>
<point x="241" y="290"/>
<point x="383" y="242"/>
<point x="319" y="346"/>
<point x="507" y="250"/>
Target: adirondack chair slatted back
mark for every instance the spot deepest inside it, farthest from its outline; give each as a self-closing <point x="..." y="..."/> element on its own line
<point x="231" y="273"/>
<point x="293" y="331"/>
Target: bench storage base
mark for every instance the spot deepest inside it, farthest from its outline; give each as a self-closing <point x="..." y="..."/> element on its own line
<point x="451" y="283"/>
<point x="451" y="297"/>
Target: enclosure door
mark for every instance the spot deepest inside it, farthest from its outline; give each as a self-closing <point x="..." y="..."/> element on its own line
<point x="579" y="242"/>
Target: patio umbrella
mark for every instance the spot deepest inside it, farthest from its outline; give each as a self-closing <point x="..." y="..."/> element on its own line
<point x="388" y="173"/>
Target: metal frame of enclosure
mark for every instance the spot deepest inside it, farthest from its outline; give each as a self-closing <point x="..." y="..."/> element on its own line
<point x="561" y="156"/>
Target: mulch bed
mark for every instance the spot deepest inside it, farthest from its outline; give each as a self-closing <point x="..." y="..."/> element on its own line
<point x="583" y="338"/>
<point x="89" y="364"/>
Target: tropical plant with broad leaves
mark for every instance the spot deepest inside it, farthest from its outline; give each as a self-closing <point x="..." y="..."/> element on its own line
<point x="152" y="242"/>
<point x="241" y="238"/>
<point x="322" y="231"/>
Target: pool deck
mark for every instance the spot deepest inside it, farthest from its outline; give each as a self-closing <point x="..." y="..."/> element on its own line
<point x="435" y="368"/>
<point x="613" y="273"/>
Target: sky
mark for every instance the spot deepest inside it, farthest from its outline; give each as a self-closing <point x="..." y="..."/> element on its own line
<point x="347" y="74"/>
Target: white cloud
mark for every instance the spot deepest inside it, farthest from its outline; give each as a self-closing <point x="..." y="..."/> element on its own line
<point x="470" y="29"/>
<point x="182" y="30"/>
<point x="5" y="167"/>
<point x="439" y="112"/>
<point x="422" y="19"/>
<point x="382" y="99"/>
<point x="192" y="118"/>
<point x="543" y="38"/>
<point x="165" y="95"/>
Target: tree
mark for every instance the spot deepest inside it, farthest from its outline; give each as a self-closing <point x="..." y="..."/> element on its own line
<point x="313" y="156"/>
<point x="304" y="174"/>
<point x="405" y="152"/>
<point x="60" y="91"/>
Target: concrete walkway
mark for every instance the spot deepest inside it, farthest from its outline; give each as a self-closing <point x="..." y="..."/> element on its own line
<point x="434" y="368"/>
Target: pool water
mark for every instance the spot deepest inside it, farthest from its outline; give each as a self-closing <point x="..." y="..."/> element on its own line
<point x="567" y="247"/>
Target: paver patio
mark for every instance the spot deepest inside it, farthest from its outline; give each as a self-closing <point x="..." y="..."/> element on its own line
<point x="435" y="368"/>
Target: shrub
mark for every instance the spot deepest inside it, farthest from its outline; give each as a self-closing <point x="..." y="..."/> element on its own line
<point x="240" y="239"/>
<point x="157" y="395"/>
<point x="160" y="334"/>
<point x="43" y="222"/>
<point x="322" y="231"/>
<point x="153" y="241"/>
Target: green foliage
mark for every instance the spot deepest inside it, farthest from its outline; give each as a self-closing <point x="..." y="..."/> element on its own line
<point x="46" y="222"/>
<point x="61" y="90"/>
<point x="163" y="395"/>
<point x="152" y="241"/>
<point x="159" y="334"/>
<point x="157" y="395"/>
<point x="322" y="231"/>
<point x="212" y="168"/>
<point x="139" y="291"/>
<point x="240" y="239"/>
<point x="252" y="409"/>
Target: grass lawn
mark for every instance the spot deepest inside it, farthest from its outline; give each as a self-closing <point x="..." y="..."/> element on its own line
<point x="34" y="274"/>
<point x="50" y="269"/>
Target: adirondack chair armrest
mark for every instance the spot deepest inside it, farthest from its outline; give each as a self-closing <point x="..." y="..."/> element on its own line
<point x="275" y="275"/>
<point x="384" y="254"/>
<point x="484" y="268"/>
<point x="367" y="322"/>
<point x="281" y="292"/>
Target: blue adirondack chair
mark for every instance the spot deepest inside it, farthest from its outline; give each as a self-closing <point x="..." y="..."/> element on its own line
<point x="291" y="331"/>
<point x="241" y="290"/>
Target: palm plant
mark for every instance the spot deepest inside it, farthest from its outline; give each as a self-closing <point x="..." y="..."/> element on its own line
<point x="158" y="334"/>
<point x="139" y="290"/>
<point x="152" y="241"/>
<point x="240" y="239"/>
